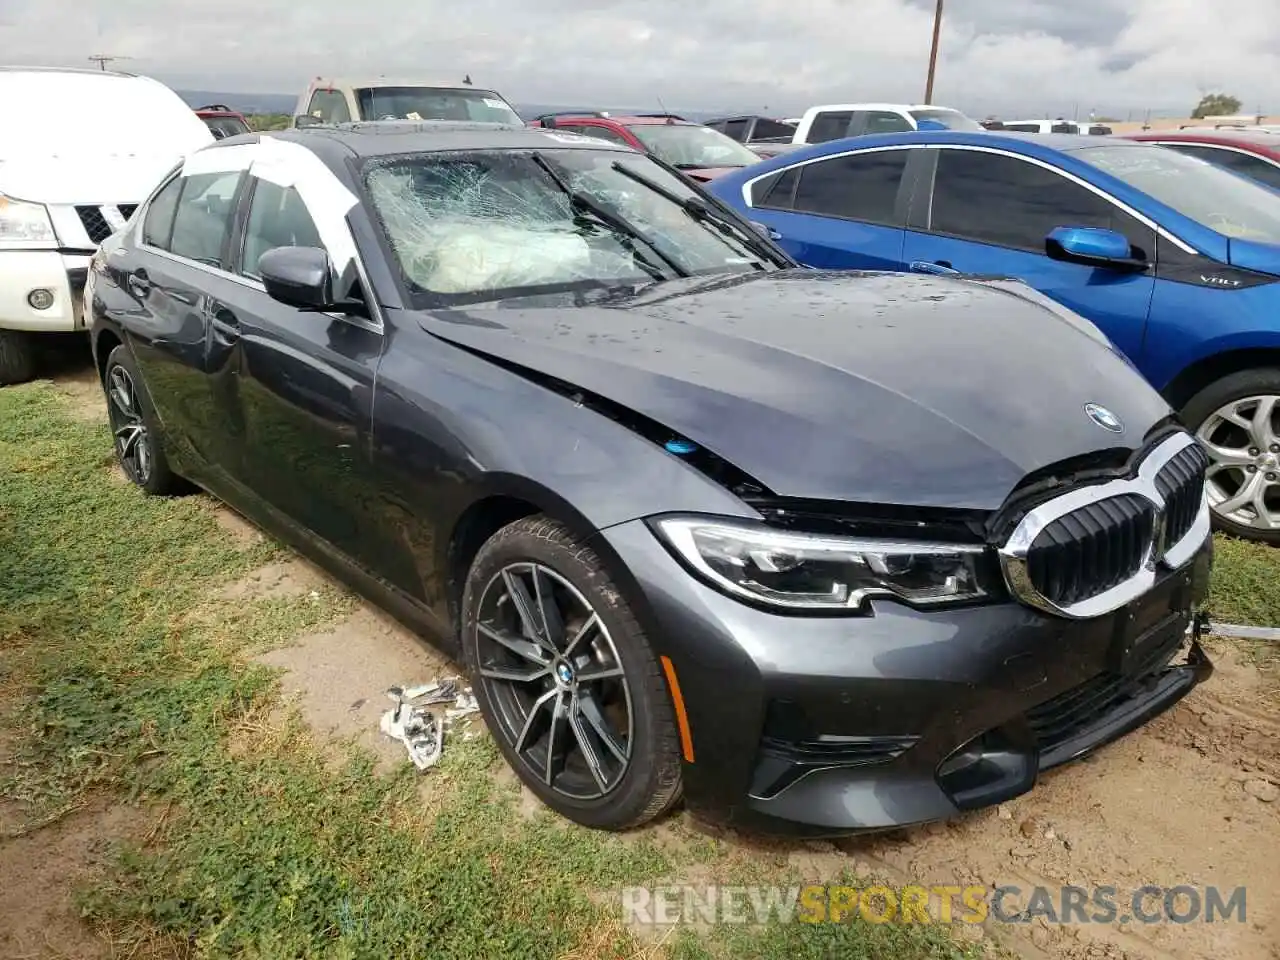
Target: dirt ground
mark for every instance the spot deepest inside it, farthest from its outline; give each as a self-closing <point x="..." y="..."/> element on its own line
<point x="1189" y="799"/>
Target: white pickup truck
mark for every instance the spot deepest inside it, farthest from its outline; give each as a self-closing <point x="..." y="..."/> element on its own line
<point x="80" y="150"/>
<point x="833" y="121"/>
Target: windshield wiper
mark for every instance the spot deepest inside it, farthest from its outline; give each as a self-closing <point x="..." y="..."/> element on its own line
<point x="697" y="208"/>
<point x="628" y="233"/>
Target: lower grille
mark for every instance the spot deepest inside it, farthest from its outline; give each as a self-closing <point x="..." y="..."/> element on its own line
<point x="1181" y="483"/>
<point x="1092" y="549"/>
<point x="782" y="763"/>
<point x="1056" y="721"/>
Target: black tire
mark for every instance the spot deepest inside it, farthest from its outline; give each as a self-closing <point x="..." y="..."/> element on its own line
<point x="649" y="782"/>
<point x="136" y="439"/>
<point x="17" y="357"/>
<point x="1200" y="408"/>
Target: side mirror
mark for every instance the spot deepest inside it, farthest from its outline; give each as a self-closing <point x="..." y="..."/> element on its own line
<point x="306" y="120"/>
<point x="298" y="276"/>
<point x="1093" y="247"/>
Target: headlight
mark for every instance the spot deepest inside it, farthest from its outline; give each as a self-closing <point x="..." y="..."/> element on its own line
<point x="814" y="572"/>
<point x="25" y="224"/>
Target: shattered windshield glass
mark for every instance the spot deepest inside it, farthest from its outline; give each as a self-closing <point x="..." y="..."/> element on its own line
<point x="476" y="226"/>
<point x="434" y="103"/>
<point x="687" y="146"/>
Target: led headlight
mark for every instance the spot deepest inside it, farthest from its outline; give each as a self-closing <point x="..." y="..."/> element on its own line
<point x="815" y="572"/>
<point x="25" y="224"/>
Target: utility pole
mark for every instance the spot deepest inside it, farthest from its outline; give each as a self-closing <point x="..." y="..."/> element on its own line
<point x="933" y="53"/>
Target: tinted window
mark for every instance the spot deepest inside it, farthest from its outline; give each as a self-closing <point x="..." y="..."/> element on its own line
<point x="776" y="192"/>
<point x="1022" y="127"/>
<point x="1013" y="203"/>
<point x="772" y="130"/>
<point x="857" y="187"/>
<point x="277" y="218"/>
<point x="884" y="121"/>
<point x="330" y="106"/>
<point x="223" y="127"/>
<point x="830" y="126"/>
<point x="1061" y="126"/>
<point x="1232" y="205"/>
<point x="1246" y="164"/>
<point x="203" y="219"/>
<point x="737" y="129"/>
<point x="159" y="222"/>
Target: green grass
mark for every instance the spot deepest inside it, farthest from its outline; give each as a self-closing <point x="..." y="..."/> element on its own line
<point x="1246" y="583"/>
<point x="122" y="679"/>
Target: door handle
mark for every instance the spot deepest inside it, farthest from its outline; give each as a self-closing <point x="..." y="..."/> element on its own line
<point x="939" y="267"/>
<point x="139" y="284"/>
<point x="226" y="328"/>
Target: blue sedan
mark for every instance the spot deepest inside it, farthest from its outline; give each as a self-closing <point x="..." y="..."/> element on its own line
<point x="1175" y="260"/>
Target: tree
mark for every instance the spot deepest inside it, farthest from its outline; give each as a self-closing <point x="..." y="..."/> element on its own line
<point x="1215" y="105"/>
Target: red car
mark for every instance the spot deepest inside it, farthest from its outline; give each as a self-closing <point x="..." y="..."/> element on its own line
<point x="697" y="151"/>
<point x="222" y="121"/>
<point x="1255" y="155"/>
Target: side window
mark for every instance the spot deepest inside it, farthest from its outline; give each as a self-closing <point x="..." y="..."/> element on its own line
<point x="1062" y="126"/>
<point x="278" y="217"/>
<point x="737" y="129"/>
<point x="158" y="226"/>
<point x="772" y="130"/>
<point x="330" y="106"/>
<point x="830" y="125"/>
<point x="776" y="192"/>
<point x="602" y="133"/>
<point x="203" y="217"/>
<point x="884" y="121"/>
<point x="1022" y="127"/>
<point x="859" y="186"/>
<point x="1012" y="203"/>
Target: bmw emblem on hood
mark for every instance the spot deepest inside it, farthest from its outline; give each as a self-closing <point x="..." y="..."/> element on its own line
<point x="1104" y="418"/>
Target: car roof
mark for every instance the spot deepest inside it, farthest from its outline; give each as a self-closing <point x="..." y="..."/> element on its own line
<point x="350" y="83"/>
<point x="1264" y="142"/>
<point x="390" y="137"/>
<point x="634" y="121"/>
<point x="881" y="106"/>
<point x="89" y="70"/>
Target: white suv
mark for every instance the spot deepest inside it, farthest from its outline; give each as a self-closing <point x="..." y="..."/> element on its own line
<point x="80" y="150"/>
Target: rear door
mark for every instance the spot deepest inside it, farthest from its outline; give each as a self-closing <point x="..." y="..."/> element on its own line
<point x="177" y="267"/>
<point x="839" y="213"/>
<point x="305" y="392"/>
<point x="989" y="213"/>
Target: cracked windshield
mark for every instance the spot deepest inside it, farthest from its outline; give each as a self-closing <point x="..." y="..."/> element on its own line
<point x="476" y="227"/>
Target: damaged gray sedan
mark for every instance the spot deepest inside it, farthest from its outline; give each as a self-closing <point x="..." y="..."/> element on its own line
<point x="818" y="553"/>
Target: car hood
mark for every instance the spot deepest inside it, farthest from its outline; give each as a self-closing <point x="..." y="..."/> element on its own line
<point x="1252" y="255"/>
<point x="843" y="386"/>
<point x="89" y="178"/>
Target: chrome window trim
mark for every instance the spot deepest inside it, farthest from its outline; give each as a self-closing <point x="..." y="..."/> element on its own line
<point x="1013" y="554"/>
<point x="1036" y="161"/>
<point x="375" y="324"/>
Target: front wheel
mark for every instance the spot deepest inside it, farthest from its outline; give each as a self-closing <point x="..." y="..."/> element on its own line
<point x="17" y="357"/>
<point x="1237" y="421"/>
<point x="566" y="680"/>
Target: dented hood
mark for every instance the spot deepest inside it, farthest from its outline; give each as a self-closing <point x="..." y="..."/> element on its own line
<point x="878" y="388"/>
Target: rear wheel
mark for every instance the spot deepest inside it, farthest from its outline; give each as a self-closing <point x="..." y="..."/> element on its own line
<point x="17" y="357"/>
<point x="137" y="441"/>
<point x="566" y="679"/>
<point x="1237" y="420"/>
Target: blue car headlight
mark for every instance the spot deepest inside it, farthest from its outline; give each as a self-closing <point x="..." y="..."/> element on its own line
<point x="803" y="571"/>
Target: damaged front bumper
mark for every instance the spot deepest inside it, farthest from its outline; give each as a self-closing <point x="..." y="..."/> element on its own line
<point x="826" y="726"/>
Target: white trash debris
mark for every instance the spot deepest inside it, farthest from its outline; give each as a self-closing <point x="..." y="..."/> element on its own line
<point x="421" y="730"/>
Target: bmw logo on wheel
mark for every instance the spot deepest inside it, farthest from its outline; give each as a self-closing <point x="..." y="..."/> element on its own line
<point x="1104" y="417"/>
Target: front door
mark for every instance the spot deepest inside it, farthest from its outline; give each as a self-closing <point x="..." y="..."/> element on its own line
<point x="990" y="214"/>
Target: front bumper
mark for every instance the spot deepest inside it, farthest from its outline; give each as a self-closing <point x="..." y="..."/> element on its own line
<point x="22" y="271"/>
<point x="834" y="725"/>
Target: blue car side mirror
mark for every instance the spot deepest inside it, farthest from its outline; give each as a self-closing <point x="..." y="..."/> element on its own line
<point x="1094" y="247"/>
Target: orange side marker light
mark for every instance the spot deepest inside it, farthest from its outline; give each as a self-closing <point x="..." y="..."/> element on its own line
<point x="682" y="718"/>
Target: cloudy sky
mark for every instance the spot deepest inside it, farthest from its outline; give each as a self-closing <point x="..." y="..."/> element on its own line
<point x="1036" y="57"/>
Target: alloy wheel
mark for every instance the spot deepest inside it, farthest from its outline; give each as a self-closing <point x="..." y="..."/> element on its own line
<point x="133" y="443"/>
<point x="553" y="676"/>
<point x="1242" y="439"/>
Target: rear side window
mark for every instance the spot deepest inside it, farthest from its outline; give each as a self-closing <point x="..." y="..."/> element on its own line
<point x="772" y="130"/>
<point x="859" y="186"/>
<point x="775" y="192"/>
<point x="1012" y="203"/>
<point x="737" y="129"/>
<point x="203" y="218"/>
<point x="158" y="226"/>
<point x="831" y="125"/>
<point x="1022" y="127"/>
<point x="278" y="217"/>
<point x="884" y="121"/>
